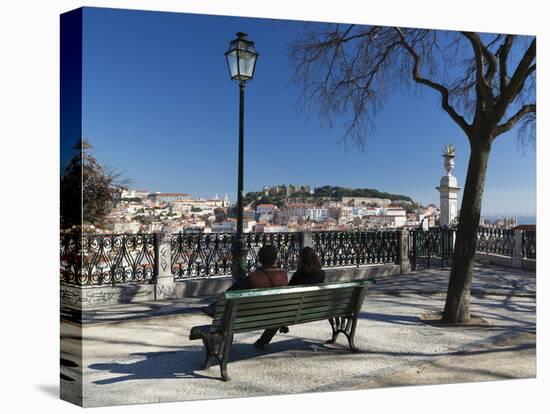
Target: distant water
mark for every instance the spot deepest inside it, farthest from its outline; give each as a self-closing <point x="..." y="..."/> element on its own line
<point x="521" y="219"/>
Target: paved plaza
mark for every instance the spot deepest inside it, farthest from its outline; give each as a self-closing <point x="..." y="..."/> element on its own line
<point x="142" y="354"/>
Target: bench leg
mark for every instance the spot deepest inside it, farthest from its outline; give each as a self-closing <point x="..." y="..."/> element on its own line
<point x="207" y="354"/>
<point x="351" y="335"/>
<point x="345" y="326"/>
<point x="225" y="357"/>
<point x="212" y="345"/>
<point x="334" y="324"/>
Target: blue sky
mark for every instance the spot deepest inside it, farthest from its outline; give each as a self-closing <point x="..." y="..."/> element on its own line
<point x="160" y="108"/>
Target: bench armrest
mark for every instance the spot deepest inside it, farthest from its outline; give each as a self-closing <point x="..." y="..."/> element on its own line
<point x="198" y="332"/>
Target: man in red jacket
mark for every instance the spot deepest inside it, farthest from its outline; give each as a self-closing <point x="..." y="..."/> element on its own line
<point x="267" y="275"/>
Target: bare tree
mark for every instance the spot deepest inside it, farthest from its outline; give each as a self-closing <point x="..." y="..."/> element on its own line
<point x="486" y="83"/>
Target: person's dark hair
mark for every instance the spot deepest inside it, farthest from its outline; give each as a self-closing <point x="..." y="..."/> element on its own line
<point x="267" y="255"/>
<point x="309" y="263"/>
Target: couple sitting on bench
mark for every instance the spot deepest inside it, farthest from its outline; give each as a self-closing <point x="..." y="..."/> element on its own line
<point x="264" y="301"/>
<point x="309" y="272"/>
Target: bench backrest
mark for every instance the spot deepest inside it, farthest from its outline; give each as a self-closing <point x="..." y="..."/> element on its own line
<point x="254" y="309"/>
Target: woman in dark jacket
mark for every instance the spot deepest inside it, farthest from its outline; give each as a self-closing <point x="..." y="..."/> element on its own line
<point x="309" y="272"/>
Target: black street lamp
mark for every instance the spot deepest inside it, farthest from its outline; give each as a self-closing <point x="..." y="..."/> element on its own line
<point x="241" y="60"/>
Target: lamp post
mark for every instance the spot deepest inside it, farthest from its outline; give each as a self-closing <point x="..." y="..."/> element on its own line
<point x="241" y="60"/>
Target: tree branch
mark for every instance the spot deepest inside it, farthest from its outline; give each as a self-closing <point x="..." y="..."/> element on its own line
<point x="482" y="54"/>
<point x="503" y="52"/>
<point x="502" y="128"/>
<point x="531" y="70"/>
<point x="336" y="48"/>
<point x="523" y="70"/>
<point x="434" y="85"/>
<point x="496" y="39"/>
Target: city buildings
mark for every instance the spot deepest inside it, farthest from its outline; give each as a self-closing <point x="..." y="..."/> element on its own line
<point x="143" y="211"/>
<point x="500" y="223"/>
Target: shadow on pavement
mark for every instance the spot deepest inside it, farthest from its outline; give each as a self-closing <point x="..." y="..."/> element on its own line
<point x="395" y="319"/>
<point x="135" y="311"/>
<point x="184" y="363"/>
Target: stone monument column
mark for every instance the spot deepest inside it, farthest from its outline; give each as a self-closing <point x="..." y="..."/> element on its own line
<point x="404" y="252"/>
<point x="165" y="287"/>
<point x="448" y="190"/>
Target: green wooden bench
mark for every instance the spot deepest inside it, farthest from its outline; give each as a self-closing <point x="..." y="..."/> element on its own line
<point x="258" y="309"/>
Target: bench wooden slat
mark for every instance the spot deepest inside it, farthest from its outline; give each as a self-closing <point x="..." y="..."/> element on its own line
<point x="288" y="321"/>
<point x="296" y="296"/>
<point x="281" y="306"/>
<point x="334" y="307"/>
<point x="274" y="306"/>
<point x="259" y="329"/>
<point x="287" y="290"/>
<point x="273" y="309"/>
<point x="268" y="303"/>
<point x="321" y="315"/>
<point x="260" y="311"/>
<point x="313" y="293"/>
<point x="304" y="296"/>
<point x="265" y="317"/>
<point x="253" y="325"/>
<point x="278" y="300"/>
<point x="290" y="318"/>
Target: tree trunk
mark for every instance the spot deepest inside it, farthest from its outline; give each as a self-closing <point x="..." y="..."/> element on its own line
<point x="457" y="304"/>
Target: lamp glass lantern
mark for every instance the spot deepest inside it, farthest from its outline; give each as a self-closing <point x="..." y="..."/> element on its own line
<point x="241" y="58"/>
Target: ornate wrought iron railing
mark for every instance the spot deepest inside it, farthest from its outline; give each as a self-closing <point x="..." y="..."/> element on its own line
<point x="496" y="241"/>
<point x="205" y="255"/>
<point x="288" y="247"/>
<point x="529" y="244"/>
<point x="93" y="260"/>
<point x="427" y="246"/>
<point x="339" y="248"/>
<point x="70" y="259"/>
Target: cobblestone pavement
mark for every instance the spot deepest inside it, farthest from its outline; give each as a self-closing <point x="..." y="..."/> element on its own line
<point x="151" y="359"/>
<point x="487" y="280"/>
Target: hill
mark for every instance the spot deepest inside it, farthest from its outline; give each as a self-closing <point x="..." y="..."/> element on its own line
<point x="322" y="193"/>
<point x="339" y="192"/>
